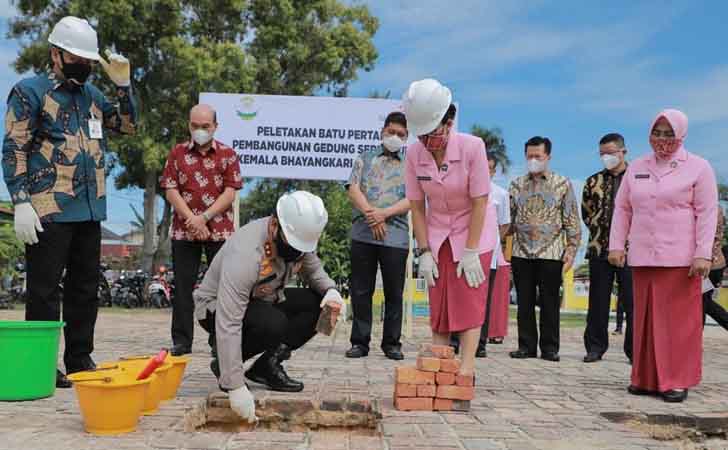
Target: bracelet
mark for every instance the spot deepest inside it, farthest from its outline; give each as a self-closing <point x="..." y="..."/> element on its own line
<point x="206" y="216"/>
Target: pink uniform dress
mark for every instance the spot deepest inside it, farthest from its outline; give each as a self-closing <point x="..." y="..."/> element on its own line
<point x="667" y="210"/>
<point x="449" y="191"/>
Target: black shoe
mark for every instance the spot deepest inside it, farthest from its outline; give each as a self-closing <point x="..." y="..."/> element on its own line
<point x="522" y="354"/>
<point x="551" y="356"/>
<point x="592" y="357"/>
<point x="618" y="331"/>
<point x="480" y="352"/>
<point x="81" y="365"/>
<point x="392" y="353"/>
<point x="61" y="381"/>
<point x="357" y="351"/>
<point x="675" y="395"/>
<point x="179" y="350"/>
<point x="267" y="370"/>
<point x="634" y="390"/>
<point x="498" y="340"/>
<point x="215" y="368"/>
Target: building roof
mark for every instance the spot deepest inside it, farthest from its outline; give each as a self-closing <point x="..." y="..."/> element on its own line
<point x="107" y="234"/>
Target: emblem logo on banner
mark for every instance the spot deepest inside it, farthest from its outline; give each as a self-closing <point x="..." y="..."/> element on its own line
<point x="247" y="109"/>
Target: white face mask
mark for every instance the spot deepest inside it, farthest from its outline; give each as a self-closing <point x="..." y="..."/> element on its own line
<point x="536" y="165"/>
<point x="201" y="137"/>
<point x="393" y="143"/>
<point x="610" y="161"/>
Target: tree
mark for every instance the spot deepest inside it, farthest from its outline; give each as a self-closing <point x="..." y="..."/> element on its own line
<point x="179" y="48"/>
<point x="723" y="192"/>
<point x="494" y="144"/>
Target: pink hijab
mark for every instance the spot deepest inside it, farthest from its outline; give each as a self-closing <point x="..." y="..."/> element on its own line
<point x="677" y="119"/>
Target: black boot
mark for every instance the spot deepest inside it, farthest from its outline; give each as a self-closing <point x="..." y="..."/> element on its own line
<point x="267" y="370"/>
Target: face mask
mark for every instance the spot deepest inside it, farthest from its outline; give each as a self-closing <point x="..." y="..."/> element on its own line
<point x="536" y="165"/>
<point x="78" y="73"/>
<point x="285" y="251"/>
<point x="435" y="142"/>
<point x="201" y="137"/>
<point x="665" y="147"/>
<point x="393" y="143"/>
<point x="610" y="161"/>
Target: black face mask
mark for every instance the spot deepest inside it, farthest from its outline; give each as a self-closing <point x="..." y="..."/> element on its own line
<point x="78" y="73"/>
<point x="285" y="251"/>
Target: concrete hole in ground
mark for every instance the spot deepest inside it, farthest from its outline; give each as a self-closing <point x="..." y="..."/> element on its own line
<point x="699" y="428"/>
<point x="290" y="415"/>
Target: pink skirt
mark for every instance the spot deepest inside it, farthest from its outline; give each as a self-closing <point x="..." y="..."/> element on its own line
<point x="668" y="329"/>
<point x="498" y="326"/>
<point x="454" y="306"/>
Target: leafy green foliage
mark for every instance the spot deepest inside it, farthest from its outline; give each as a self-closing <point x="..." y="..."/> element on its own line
<point x="494" y="144"/>
<point x="179" y="48"/>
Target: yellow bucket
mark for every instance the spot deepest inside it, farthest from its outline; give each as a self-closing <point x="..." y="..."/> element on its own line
<point x="174" y="376"/>
<point x="111" y="401"/>
<point x="154" y="392"/>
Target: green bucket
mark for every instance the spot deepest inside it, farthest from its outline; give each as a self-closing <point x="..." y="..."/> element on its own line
<point x="28" y="359"/>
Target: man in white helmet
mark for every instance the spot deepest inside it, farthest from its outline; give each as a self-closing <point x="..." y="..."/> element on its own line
<point x="244" y="304"/>
<point x="53" y="164"/>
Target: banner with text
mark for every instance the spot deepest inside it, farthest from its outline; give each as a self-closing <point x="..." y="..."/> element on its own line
<point x="314" y="138"/>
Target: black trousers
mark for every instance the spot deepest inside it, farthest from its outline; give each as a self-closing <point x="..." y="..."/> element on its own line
<point x="538" y="280"/>
<point x="393" y="263"/>
<point x="267" y="325"/>
<point x="76" y="248"/>
<point x="619" y="314"/>
<point x="186" y="257"/>
<point x="711" y="307"/>
<point x="601" y="282"/>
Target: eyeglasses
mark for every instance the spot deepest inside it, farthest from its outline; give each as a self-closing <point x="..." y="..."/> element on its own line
<point x="439" y="133"/>
<point x="660" y="133"/>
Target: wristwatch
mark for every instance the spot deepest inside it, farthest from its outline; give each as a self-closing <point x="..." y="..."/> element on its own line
<point x="206" y="215"/>
<point x="421" y="251"/>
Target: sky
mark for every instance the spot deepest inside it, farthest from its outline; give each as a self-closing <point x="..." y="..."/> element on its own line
<point x="569" y="70"/>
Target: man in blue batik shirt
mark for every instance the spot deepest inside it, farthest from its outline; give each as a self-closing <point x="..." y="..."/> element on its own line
<point x="379" y="238"/>
<point x="53" y="164"/>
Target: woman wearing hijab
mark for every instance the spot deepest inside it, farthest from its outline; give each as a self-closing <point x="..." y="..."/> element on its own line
<point x="666" y="208"/>
<point x="447" y="184"/>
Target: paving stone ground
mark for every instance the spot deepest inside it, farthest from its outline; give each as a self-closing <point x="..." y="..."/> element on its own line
<point x="519" y="404"/>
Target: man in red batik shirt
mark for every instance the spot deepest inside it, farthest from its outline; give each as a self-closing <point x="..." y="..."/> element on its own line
<point x="201" y="179"/>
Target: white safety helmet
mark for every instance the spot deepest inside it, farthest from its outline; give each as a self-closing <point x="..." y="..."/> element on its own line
<point x="76" y="36"/>
<point x="302" y="217"/>
<point x="425" y="103"/>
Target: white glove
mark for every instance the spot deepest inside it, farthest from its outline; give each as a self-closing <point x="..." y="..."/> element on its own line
<point x="26" y="223"/>
<point x="243" y="403"/>
<point x="117" y="68"/>
<point x="470" y="264"/>
<point x="428" y="268"/>
<point x="333" y="296"/>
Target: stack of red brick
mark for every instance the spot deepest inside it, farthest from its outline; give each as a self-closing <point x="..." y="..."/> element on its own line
<point x="434" y="384"/>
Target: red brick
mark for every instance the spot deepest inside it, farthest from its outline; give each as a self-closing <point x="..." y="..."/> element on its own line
<point x="410" y="375"/>
<point x="445" y="378"/>
<point x="405" y="390"/>
<point x="428" y="364"/>
<point x="413" y="404"/>
<point x="426" y="390"/>
<point x="449" y="365"/>
<point x="437" y="351"/>
<point x="464" y="380"/>
<point x="456" y="392"/>
<point x="442" y="404"/>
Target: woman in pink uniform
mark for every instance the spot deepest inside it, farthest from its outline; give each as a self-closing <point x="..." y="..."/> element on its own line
<point x="447" y="183"/>
<point x="666" y="208"/>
